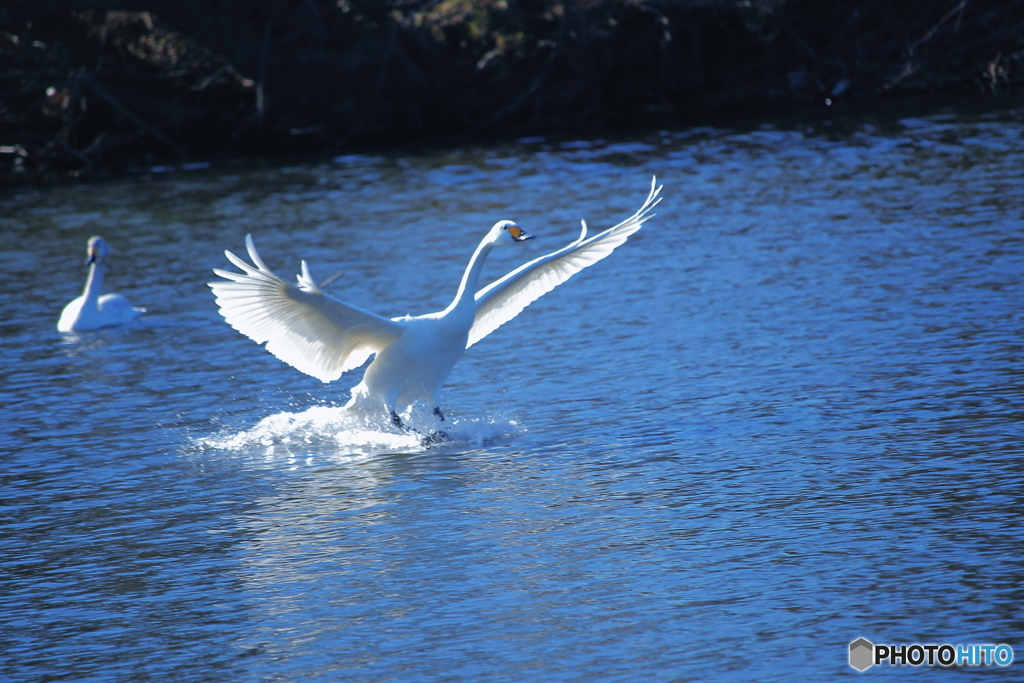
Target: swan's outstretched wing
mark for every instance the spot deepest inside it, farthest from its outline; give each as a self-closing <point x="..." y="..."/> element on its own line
<point x="308" y="330"/>
<point x="501" y="301"/>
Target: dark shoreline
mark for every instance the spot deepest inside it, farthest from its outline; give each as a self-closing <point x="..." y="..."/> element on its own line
<point x="92" y="89"/>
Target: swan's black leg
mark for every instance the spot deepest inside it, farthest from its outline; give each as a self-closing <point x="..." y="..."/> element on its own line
<point x="437" y="435"/>
<point x="397" y="421"/>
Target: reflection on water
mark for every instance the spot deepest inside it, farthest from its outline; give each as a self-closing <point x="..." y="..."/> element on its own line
<point x="785" y="415"/>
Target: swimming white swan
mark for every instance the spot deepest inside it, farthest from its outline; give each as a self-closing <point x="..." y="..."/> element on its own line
<point x="92" y="311"/>
<point x="324" y="337"/>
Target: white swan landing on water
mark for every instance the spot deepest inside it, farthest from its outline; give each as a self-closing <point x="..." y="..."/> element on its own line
<point x="92" y="311"/>
<point x="323" y="337"/>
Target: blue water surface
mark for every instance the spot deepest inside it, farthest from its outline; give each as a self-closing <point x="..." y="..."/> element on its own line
<point x="785" y="415"/>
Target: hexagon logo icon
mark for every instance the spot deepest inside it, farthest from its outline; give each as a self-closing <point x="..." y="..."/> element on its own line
<point x="862" y="654"/>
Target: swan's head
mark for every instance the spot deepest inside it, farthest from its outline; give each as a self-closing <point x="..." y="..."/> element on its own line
<point x="97" y="251"/>
<point x="507" y="232"/>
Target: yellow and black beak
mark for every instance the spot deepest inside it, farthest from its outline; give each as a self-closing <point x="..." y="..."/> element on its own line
<point x="517" y="233"/>
<point x="93" y="255"/>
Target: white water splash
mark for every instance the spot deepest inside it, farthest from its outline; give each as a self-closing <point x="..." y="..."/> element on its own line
<point x="330" y="430"/>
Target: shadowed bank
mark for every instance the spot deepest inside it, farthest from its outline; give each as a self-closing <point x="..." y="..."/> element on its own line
<point x="92" y="86"/>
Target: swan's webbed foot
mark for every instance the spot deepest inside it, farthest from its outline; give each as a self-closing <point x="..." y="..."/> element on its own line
<point x="432" y="437"/>
<point x="436" y="436"/>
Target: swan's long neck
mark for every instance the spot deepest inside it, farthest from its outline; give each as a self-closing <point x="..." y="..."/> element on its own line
<point x="466" y="296"/>
<point x="93" y="284"/>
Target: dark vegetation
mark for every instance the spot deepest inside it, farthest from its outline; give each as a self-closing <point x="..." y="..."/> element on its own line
<point x="92" y="86"/>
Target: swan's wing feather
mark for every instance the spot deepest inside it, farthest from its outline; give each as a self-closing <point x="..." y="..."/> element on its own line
<point x="302" y="326"/>
<point x="503" y="300"/>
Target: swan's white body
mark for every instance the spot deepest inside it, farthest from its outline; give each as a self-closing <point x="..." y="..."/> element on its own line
<point x="92" y="311"/>
<point x="324" y="337"/>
